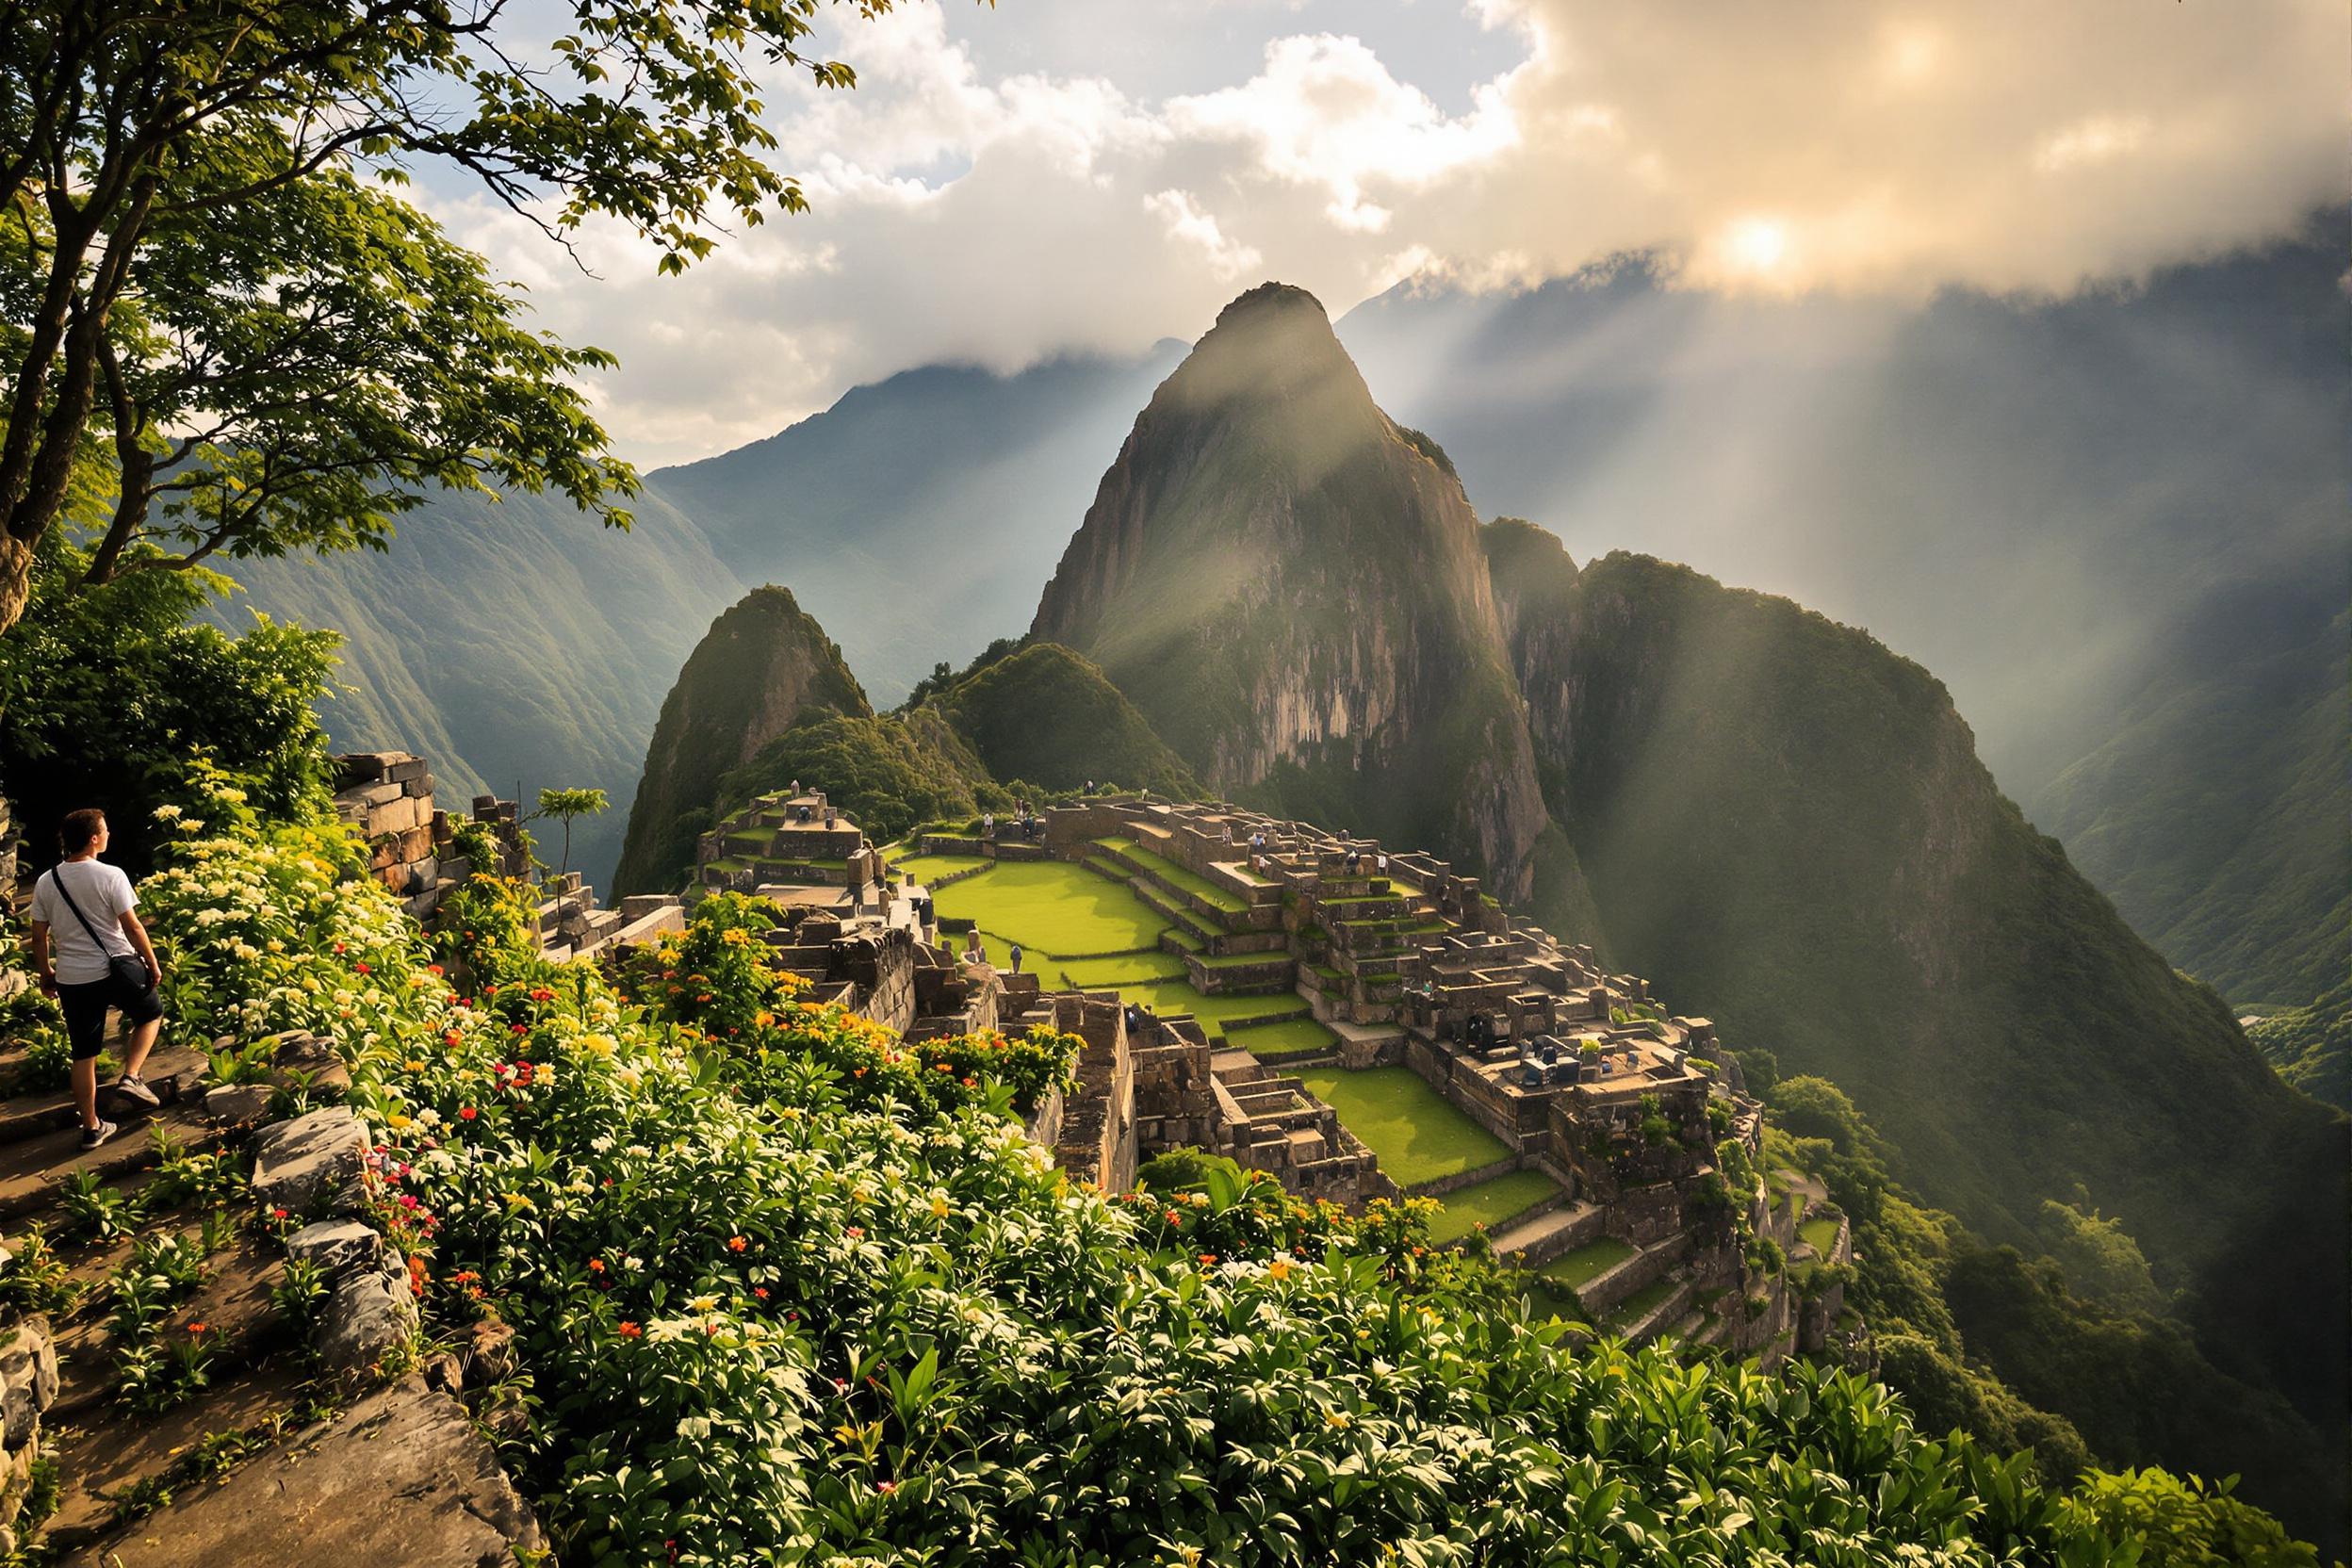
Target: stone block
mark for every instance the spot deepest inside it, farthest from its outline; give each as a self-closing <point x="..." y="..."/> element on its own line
<point x="335" y="1246"/>
<point x="407" y="770"/>
<point x="370" y="1313"/>
<point x="397" y="815"/>
<point x="236" y="1105"/>
<point x="310" y="1165"/>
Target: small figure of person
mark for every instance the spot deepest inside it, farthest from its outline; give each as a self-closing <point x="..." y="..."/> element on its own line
<point x="987" y="824"/>
<point x="1015" y="955"/>
<point x="973" y="952"/>
<point x="1229" y="833"/>
<point x="84" y="914"/>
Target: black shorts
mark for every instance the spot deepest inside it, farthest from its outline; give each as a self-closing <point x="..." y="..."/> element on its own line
<point x="86" y="1007"/>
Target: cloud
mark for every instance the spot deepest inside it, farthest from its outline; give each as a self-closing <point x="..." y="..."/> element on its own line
<point x="1002" y="216"/>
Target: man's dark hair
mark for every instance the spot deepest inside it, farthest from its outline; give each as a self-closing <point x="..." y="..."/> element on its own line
<point x="76" y="833"/>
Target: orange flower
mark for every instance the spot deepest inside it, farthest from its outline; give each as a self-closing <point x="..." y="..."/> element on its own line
<point x="736" y="1244"/>
<point x="629" y="1329"/>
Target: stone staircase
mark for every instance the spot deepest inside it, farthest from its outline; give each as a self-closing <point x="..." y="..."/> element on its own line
<point x="166" y="1397"/>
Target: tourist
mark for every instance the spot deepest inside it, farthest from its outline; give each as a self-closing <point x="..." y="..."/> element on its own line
<point x="987" y="824"/>
<point x="103" y="962"/>
<point x="1229" y="833"/>
<point x="1383" y="862"/>
<point x="974" y="953"/>
<point x="1016" y="957"/>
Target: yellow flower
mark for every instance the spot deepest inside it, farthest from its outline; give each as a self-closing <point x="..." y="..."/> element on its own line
<point x="703" y="1303"/>
<point x="1278" y="1268"/>
<point x="413" y="1064"/>
<point x="1338" y="1418"/>
<point x="938" y="1206"/>
<point x="515" y="1200"/>
<point x="401" y="1121"/>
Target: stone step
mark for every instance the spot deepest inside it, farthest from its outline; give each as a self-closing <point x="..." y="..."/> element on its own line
<point x="1542" y="1233"/>
<point x="172" y="1071"/>
<point x="1653" y="1322"/>
<point x="34" y="1170"/>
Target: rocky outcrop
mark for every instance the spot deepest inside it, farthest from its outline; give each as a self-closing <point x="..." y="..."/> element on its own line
<point x="403" y="1475"/>
<point x="1290" y="587"/>
<point x="764" y="667"/>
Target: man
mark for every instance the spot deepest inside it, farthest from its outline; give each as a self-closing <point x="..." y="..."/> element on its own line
<point x="1015" y="955"/>
<point x="84" y="908"/>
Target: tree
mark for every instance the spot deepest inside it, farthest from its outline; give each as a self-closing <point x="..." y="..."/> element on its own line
<point x="563" y="805"/>
<point x="135" y="135"/>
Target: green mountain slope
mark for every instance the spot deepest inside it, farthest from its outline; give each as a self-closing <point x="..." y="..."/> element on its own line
<point x="2311" y="1047"/>
<point x="1785" y="827"/>
<point x="1049" y="717"/>
<point x="515" y="644"/>
<point x="764" y="667"/>
<point x="2215" y="813"/>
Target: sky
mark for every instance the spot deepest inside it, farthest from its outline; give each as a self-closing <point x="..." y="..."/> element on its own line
<point x="1044" y="177"/>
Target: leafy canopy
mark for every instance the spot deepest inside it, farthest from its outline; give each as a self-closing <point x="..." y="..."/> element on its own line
<point x="183" y="191"/>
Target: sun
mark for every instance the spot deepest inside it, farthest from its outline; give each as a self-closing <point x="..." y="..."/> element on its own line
<point x="1757" y="244"/>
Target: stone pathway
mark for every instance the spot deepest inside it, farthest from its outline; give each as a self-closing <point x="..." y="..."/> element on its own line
<point x="261" y="1457"/>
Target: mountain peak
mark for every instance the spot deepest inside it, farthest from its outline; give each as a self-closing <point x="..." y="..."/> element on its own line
<point x="1272" y="300"/>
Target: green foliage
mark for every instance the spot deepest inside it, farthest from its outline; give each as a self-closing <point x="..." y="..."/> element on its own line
<point x="113" y="699"/>
<point x="2311" y="1047"/>
<point x="876" y="769"/>
<point x="2180" y="1522"/>
<point x="1049" y="717"/>
<point x="2101" y="1261"/>
<point x="242" y="294"/>
<point x="566" y="805"/>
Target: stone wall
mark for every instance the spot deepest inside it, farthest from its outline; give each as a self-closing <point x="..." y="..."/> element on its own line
<point x="11" y="845"/>
<point x="388" y="795"/>
<point x="1098" y="1133"/>
<point x="28" y="1382"/>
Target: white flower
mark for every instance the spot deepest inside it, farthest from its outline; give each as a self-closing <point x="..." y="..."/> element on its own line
<point x="167" y="813"/>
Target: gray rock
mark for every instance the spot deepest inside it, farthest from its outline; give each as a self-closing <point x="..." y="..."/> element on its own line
<point x="28" y="1381"/>
<point x="312" y="1163"/>
<point x="237" y="1103"/>
<point x="370" y="1313"/>
<point x="335" y="1246"/>
<point x="402" y="1477"/>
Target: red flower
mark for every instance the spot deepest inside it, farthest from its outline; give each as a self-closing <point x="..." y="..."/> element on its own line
<point x="467" y="1112"/>
<point x="452" y="1037"/>
<point x="195" y="1328"/>
<point x="338" y="947"/>
<point x="736" y="1244"/>
<point x="760" y="1291"/>
<point x="629" y="1329"/>
<point x="595" y="1266"/>
<point x="1208" y="1257"/>
<point x="855" y="1232"/>
<point x="434" y="969"/>
<point x="542" y="994"/>
<point x="886" y="1488"/>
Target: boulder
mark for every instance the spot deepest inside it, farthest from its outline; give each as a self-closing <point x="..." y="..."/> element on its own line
<point x="371" y="1312"/>
<point x="335" y="1246"/>
<point x="310" y="1165"/>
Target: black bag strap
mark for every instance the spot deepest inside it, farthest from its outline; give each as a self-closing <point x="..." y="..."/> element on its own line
<point x="58" y="882"/>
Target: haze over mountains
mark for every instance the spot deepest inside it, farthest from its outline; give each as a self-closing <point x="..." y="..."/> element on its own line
<point x="2106" y="523"/>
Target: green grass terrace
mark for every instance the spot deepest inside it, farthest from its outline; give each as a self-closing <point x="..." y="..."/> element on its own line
<point x="1418" y="1134"/>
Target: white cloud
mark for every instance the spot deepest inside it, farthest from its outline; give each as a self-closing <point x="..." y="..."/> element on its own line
<point x="999" y="216"/>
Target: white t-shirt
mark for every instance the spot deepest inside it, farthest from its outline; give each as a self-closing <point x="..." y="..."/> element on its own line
<point x="104" y="895"/>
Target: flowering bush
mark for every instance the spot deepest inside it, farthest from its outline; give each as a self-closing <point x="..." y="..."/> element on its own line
<point x="772" y="1316"/>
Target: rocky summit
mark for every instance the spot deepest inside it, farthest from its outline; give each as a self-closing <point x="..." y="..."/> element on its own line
<point x="1289" y="585"/>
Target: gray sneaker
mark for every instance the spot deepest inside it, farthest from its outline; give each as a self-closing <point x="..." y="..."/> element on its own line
<point x="135" y="1088"/>
<point x="93" y="1136"/>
